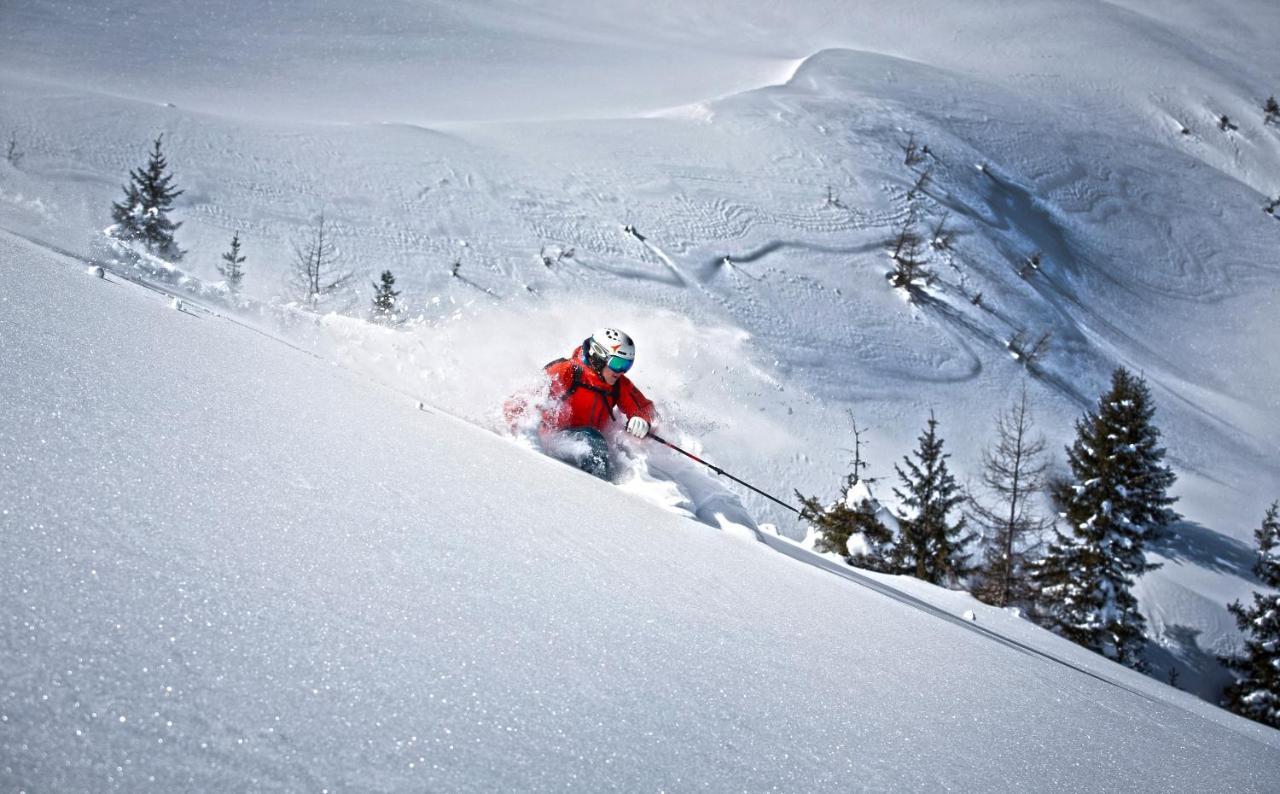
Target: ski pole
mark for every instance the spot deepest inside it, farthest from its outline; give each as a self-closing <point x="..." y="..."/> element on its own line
<point x="722" y="472"/>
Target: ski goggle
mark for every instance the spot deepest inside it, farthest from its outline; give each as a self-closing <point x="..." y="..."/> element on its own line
<point x="619" y="364"/>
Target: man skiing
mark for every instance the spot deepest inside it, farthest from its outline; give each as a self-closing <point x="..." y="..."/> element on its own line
<point x="584" y="389"/>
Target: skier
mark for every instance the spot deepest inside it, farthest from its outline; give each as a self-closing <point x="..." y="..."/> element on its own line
<point x="585" y="388"/>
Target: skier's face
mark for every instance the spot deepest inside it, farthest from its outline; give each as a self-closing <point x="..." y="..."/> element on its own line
<point x="610" y="377"/>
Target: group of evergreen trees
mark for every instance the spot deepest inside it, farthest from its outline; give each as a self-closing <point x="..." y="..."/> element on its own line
<point x="1076" y="580"/>
<point x="143" y="217"/>
<point x="928" y="545"/>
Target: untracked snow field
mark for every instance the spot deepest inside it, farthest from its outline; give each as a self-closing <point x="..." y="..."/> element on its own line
<point x="234" y="554"/>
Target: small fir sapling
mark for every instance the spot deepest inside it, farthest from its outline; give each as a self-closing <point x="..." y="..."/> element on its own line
<point x="910" y="271"/>
<point x="232" y="265"/>
<point x="852" y="516"/>
<point x="386" y="306"/>
<point x="941" y="237"/>
<point x="1026" y="350"/>
<point x="921" y="183"/>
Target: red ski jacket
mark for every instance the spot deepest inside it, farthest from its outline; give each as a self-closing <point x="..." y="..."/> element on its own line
<point x="579" y="397"/>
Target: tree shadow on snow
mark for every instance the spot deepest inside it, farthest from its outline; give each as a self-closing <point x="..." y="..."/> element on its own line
<point x="1187" y="541"/>
<point x="1181" y="662"/>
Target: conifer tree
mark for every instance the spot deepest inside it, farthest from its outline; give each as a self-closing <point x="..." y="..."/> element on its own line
<point x="144" y="213"/>
<point x="930" y="546"/>
<point x="1013" y="471"/>
<point x="910" y="271"/>
<point x="1270" y="111"/>
<point x="231" y="267"/>
<point x="1256" y="694"/>
<point x="386" y="308"/>
<point x="854" y="513"/>
<point x="1114" y="502"/>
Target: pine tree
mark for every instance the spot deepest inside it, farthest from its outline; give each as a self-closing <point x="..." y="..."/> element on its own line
<point x="930" y="547"/>
<point x="386" y="308"/>
<point x="315" y="274"/>
<point x="1270" y="111"/>
<point x="1014" y="472"/>
<point x="1256" y="694"/>
<point x="1114" y="502"/>
<point x="144" y="213"/>
<point x="231" y="267"/>
<point x="853" y="514"/>
<point x="910" y="271"/>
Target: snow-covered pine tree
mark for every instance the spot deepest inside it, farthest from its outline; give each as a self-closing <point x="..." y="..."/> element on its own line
<point x="231" y="267"/>
<point x="1256" y="694"/>
<point x="386" y="309"/>
<point x="854" y="515"/>
<point x="1013" y="471"/>
<point x="930" y="547"/>
<point x="144" y="213"/>
<point x="1114" y="502"/>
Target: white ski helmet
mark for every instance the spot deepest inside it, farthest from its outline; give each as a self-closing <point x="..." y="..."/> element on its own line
<point x="610" y="348"/>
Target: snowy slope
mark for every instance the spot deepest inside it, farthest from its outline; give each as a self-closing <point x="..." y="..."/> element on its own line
<point x="486" y="132"/>
<point x="216" y="580"/>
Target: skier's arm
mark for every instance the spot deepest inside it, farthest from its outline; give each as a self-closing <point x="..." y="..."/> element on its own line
<point x="559" y="378"/>
<point x="633" y="403"/>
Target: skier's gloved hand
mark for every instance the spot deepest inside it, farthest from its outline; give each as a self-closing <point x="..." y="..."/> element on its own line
<point x="637" y="427"/>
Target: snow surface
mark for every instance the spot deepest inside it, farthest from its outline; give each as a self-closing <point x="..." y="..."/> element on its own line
<point x="306" y="582"/>
<point x="486" y="132"/>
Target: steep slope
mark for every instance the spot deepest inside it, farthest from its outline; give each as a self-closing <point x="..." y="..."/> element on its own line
<point x="228" y="564"/>
<point x="714" y="131"/>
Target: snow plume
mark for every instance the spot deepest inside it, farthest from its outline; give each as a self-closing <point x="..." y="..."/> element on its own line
<point x="472" y="361"/>
<point x="698" y="376"/>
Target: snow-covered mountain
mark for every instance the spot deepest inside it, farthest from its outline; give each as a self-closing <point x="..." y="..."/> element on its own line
<point x="721" y="180"/>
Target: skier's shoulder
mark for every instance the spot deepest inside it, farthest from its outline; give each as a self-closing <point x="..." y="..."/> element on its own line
<point x="628" y="386"/>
